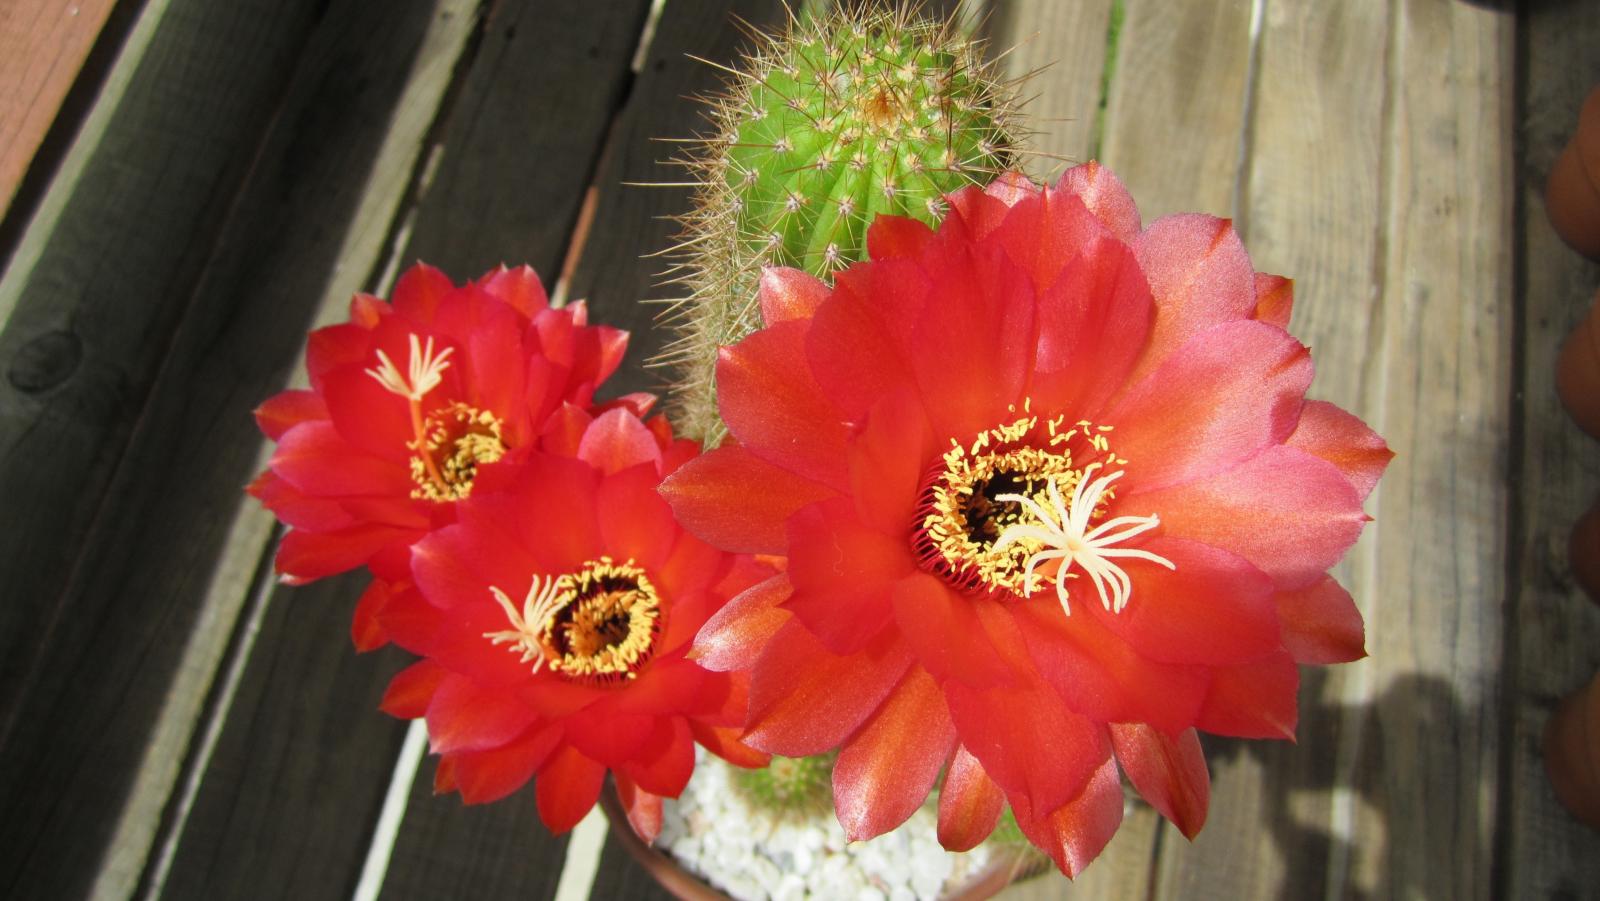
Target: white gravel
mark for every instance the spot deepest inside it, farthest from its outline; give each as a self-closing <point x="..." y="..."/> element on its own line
<point x="714" y="833"/>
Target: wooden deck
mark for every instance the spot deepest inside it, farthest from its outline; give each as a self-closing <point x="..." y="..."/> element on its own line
<point x="174" y="724"/>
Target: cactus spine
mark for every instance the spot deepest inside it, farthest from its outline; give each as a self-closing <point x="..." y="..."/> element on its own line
<point x="842" y="118"/>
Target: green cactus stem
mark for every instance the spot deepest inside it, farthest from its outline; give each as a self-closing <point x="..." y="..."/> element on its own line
<point x="800" y="787"/>
<point x="841" y="118"/>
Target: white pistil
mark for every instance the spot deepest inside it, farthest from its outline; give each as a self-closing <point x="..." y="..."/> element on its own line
<point x="544" y="598"/>
<point x="427" y="370"/>
<point x="1066" y="536"/>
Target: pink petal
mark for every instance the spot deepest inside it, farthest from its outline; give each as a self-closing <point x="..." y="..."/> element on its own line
<point x="1105" y="196"/>
<point x="1093" y="324"/>
<point x="787" y="294"/>
<point x="887" y="768"/>
<point x="1345" y="441"/>
<point x="1215" y="401"/>
<point x="1274" y="299"/>
<point x="1253" y="700"/>
<point x="736" y="501"/>
<point x="1200" y="275"/>
<point x="734" y="636"/>
<point x="1169" y="772"/>
<point x="1043" y="234"/>
<point x="804" y="700"/>
<point x="1290" y="514"/>
<point x="970" y="803"/>
<point x="772" y="404"/>
<point x="1321" y="623"/>
<point x="567" y="787"/>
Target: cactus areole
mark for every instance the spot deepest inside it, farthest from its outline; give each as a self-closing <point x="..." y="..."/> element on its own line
<point x="820" y="131"/>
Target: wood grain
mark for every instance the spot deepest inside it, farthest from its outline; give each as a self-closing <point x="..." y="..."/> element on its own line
<point x="1056" y="52"/>
<point x="1554" y="627"/>
<point x="43" y="45"/>
<point x="1175" y="114"/>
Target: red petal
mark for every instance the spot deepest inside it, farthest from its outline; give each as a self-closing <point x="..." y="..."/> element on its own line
<point x="976" y="212"/>
<point x="617" y="440"/>
<point x="735" y="636"/>
<point x="419" y="292"/>
<point x="307" y="556"/>
<point x="643" y="809"/>
<point x="736" y="501"/>
<point x="852" y="342"/>
<point x="970" y="803"/>
<point x="897" y="236"/>
<point x="1200" y="275"/>
<point x="609" y="737"/>
<point x="567" y="787"/>
<point x="1321" y="624"/>
<point x="666" y="768"/>
<point x="466" y="716"/>
<point x="366" y="632"/>
<point x="297" y="509"/>
<point x="563" y="430"/>
<point x="1252" y="700"/>
<point x="634" y="520"/>
<point x="1045" y="234"/>
<point x="519" y="287"/>
<point x="411" y="690"/>
<point x="314" y="458"/>
<point x="1290" y="514"/>
<point x="1093" y="324"/>
<point x="887" y="768"/>
<point x="724" y="742"/>
<point x="944" y="630"/>
<point x="1215" y="401"/>
<point x="887" y="462"/>
<point x="1214" y="608"/>
<point x="843" y="573"/>
<point x="771" y="403"/>
<point x="1336" y="436"/>
<point x="1028" y="741"/>
<point x="1075" y="833"/>
<point x="1169" y="772"/>
<point x="1274" y="299"/>
<point x="804" y="700"/>
<point x="1105" y="196"/>
<point x="1097" y="674"/>
<point x="280" y="412"/>
<point x="484" y="776"/>
<point x="787" y="294"/>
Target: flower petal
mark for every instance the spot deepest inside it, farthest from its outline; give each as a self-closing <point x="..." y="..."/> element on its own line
<point x="307" y="556"/>
<point x="851" y="343"/>
<point x="484" y="776"/>
<point x="946" y="633"/>
<point x="970" y="803"/>
<point x="787" y="293"/>
<point x="842" y="573"/>
<point x="733" y="499"/>
<point x="772" y="404"/>
<point x="1093" y="324"/>
<point x="804" y="700"/>
<point x="1169" y="772"/>
<point x="1253" y="700"/>
<point x="1321" y="623"/>
<point x="897" y="236"/>
<point x="734" y="637"/>
<point x="888" y="460"/>
<point x="724" y="742"/>
<point x="1287" y="512"/>
<point x="664" y="767"/>
<point x="1075" y="833"/>
<point x="465" y="716"/>
<point x="1274" y="299"/>
<point x="886" y="769"/>
<point x="642" y="807"/>
<point x="1345" y="441"/>
<point x="1200" y="275"/>
<point x="411" y="690"/>
<point x="286" y="409"/>
<point x="314" y="458"/>
<point x="617" y="440"/>
<point x="1105" y="196"/>
<point x="1217" y="400"/>
<point x="567" y="787"/>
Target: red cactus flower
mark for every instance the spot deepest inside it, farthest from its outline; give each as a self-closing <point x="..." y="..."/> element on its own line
<point x="1052" y="498"/>
<point x="554" y="617"/>
<point x="410" y="402"/>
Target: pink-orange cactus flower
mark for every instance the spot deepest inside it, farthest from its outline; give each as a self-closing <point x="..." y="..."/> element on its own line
<point x="1052" y="498"/>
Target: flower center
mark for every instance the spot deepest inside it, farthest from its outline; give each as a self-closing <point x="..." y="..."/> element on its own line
<point x="452" y="442"/>
<point x="600" y="624"/>
<point x="991" y="512"/>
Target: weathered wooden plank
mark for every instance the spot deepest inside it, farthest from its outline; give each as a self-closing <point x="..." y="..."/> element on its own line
<point x="1431" y="740"/>
<point x="1312" y="210"/>
<point x="620" y="876"/>
<point x="1063" y="45"/>
<point x="632" y="221"/>
<point x="514" y="161"/>
<point x="1554" y="627"/>
<point x="243" y="543"/>
<point x="42" y="48"/>
<point x="1175" y="114"/>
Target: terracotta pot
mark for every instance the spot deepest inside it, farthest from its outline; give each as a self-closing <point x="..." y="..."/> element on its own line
<point x="1583" y="552"/>
<point x="1578" y="372"/>
<point x="687" y="886"/>
<point x="1572" y="753"/>
<point x="1572" y="195"/>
